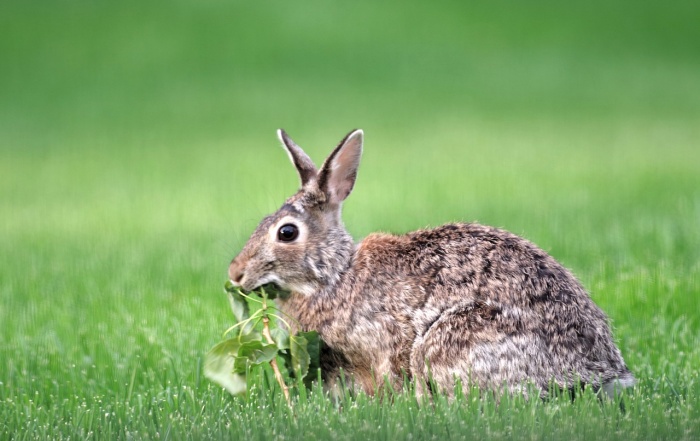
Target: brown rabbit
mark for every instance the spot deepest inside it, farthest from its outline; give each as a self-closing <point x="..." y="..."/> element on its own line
<point x="461" y="301"/>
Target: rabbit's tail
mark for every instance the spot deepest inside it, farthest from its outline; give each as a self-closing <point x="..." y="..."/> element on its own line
<point x="616" y="385"/>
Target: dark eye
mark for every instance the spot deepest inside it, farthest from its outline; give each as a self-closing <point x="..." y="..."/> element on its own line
<point x="288" y="233"/>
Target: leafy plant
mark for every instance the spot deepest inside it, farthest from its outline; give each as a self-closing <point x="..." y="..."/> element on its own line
<point x="261" y="335"/>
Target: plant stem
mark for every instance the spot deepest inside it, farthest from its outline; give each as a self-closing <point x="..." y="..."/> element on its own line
<point x="243" y="323"/>
<point x="273" y="362"/>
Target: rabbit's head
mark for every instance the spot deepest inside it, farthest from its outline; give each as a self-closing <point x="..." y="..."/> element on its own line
<point x="304" y="245"/>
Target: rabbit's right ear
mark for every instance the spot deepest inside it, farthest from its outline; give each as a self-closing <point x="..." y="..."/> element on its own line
<point x="338" y="173"/>
<point x="304" y="165"/>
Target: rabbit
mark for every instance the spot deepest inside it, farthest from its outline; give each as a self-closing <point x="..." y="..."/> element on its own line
<point x="460" y="302"/>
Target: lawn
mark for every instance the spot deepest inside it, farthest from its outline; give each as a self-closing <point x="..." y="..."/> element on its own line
<point x="138" y="152"/>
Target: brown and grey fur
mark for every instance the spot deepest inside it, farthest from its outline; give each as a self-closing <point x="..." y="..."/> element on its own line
<point x="459" y="301"/>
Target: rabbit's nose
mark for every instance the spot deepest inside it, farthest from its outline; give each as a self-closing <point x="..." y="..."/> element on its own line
<point x="235" y="272"/>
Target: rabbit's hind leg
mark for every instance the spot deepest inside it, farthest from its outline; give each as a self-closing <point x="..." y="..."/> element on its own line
<point x="474" y="344"/>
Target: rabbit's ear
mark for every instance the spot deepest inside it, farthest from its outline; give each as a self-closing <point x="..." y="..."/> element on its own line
<point x="302" y="162"/>
<point x="337" y="175"/>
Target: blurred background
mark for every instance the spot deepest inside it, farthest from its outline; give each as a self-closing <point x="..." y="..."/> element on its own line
<point x="138" y="152"/>
<point x="117" y="108"/>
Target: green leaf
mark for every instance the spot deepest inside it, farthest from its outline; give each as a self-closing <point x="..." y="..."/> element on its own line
<point x="225" y="348"/>
<point x="281" y="337"/>
<point x="250" y="337"/>
<point x="253" y="353"/>
<point x="287" y="358"/>
<point x="239" y="305"/>
<point x="218" y="366"/>
<point x="228" y="362"/>
<point x="300" y="355"/>
<point x="313" y="347"/>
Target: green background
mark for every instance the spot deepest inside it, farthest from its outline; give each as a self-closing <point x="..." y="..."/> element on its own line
<point x="138" y="151"/>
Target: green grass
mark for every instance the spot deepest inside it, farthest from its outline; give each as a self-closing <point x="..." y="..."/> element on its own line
<point x="137" y="152"/>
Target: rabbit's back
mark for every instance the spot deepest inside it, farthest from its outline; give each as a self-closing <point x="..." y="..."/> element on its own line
<point x="534" y="320"/>
<point x="504" y="307"/>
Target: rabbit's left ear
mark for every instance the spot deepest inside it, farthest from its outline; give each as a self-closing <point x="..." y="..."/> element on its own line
<point x="338" y="173"/>
<point x="304" y="165"/>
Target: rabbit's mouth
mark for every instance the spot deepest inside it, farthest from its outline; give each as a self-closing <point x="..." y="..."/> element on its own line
<point x="274" y="290"/>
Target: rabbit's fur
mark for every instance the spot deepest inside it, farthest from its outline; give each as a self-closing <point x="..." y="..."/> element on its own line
<point x="461" y="301"/>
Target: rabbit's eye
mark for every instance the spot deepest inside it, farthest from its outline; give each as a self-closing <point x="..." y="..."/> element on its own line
<point x="288" y="233"/>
